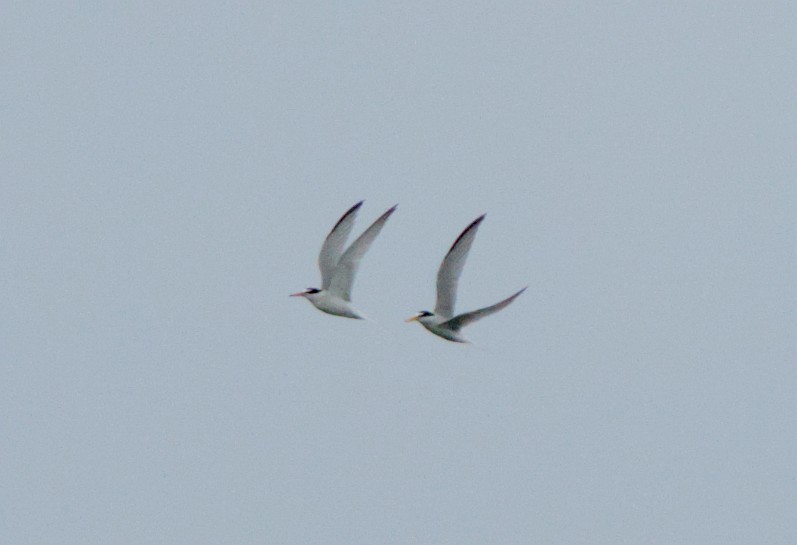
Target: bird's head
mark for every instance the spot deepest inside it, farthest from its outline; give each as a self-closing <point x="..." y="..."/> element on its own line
<point x="422" y="317"/>
<point x="309" y="293"/>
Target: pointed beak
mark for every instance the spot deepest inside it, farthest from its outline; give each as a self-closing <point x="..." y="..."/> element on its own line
<point x="412" y="319"/>
<point x="300" y="294"/>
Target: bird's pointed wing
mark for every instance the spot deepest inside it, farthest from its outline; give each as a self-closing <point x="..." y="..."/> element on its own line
<point x="466" y="318"/>
<point x="451" y="269"/>
<point x="332" y="249"/>
<point x="346" y="270"/>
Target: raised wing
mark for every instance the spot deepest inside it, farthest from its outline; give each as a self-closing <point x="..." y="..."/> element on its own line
<point x="332" y="249"/>
<point x="347" y="267"/>
<point x="466" y="318"/>
<point x="451" y="269"/>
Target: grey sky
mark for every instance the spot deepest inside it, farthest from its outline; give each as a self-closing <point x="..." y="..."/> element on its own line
<point x="169" y="171"/>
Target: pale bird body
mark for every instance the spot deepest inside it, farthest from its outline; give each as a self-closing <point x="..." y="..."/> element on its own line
<point x="339" y="267"/>
<point x="442" y="321"/>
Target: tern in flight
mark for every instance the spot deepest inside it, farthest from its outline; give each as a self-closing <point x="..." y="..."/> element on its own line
<point x="442" y="321"/>
<point x="338" y="268"/>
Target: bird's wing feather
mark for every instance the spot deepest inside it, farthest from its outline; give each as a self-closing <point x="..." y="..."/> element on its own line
<point x="343" y="278"/>
<point x="332" y="249"/>
<point x="451" y="269"/>
<point x="458" y="322"/>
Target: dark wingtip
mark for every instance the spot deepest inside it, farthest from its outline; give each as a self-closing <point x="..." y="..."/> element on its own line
<point x="475" y="223"/>
<point x="352" y="210"/>
<point x="387" y="214"/>
<point x="348" y="213"/>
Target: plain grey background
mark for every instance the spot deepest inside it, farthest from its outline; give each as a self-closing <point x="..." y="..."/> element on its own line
<point x="169" y="170"/>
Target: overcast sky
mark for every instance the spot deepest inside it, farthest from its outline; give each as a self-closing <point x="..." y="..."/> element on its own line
<point x="168" y="171"/>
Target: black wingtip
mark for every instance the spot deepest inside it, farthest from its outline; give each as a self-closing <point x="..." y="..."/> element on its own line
<point x="348" y="213"/>
<point x="353" y="209"/>
<point x="475" y="223"/>
<point x="389" y="211"/>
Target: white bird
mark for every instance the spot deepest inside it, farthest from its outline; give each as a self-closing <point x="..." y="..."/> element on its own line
<point x="442" y="321"/>
<point x="338" y="268"/>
